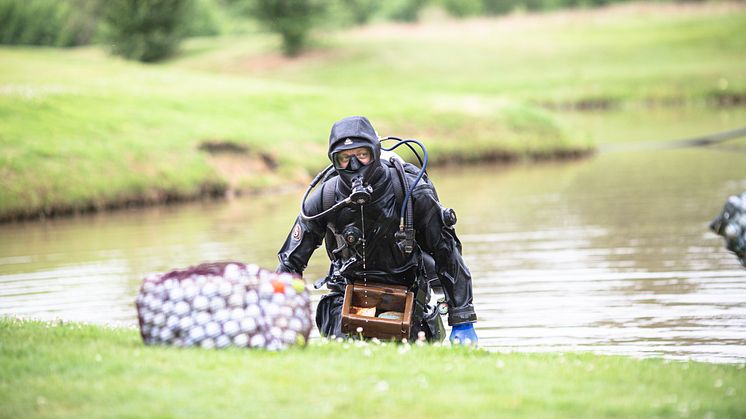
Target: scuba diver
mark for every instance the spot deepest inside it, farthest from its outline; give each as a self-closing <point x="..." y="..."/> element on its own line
<point x="383" y="224"/>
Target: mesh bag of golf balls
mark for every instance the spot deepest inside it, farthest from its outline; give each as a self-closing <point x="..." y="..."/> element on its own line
<point x="216" y="305"/>
<point x="731" y="224"/>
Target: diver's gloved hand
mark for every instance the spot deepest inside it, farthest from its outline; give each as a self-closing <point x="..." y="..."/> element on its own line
<point x="465" y="334"/>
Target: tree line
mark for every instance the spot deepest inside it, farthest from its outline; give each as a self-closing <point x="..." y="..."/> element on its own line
<point x="150" y="30"/>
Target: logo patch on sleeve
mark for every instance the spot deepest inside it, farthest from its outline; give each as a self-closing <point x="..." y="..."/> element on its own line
<point x="297" y="232"/>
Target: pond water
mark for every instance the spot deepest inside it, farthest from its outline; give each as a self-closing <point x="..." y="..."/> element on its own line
<point x="610" y="254"/>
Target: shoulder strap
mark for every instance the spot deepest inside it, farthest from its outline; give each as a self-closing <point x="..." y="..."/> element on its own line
<point x="398" y="186"/>
<point x="328" y="190"/>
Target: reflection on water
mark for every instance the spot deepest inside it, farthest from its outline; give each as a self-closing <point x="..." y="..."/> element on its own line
<point x="611" y="254"/>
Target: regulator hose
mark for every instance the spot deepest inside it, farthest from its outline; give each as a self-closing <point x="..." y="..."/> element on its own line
<point x="423" y="169"/>
<point x="322" y="175"/>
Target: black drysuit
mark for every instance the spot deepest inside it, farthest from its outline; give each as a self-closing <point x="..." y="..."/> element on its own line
<point x="377" y="258"/>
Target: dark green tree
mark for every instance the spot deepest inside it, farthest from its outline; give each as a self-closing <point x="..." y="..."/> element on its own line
<point x="146" y="30"/>
<point x="362" y="10"/>
<point x="292" y="19"/>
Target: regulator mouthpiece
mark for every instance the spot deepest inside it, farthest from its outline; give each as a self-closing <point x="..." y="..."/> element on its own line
<point x="360" y="193"/>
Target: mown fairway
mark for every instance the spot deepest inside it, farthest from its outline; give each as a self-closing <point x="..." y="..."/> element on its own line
<point x="73" y="370"/>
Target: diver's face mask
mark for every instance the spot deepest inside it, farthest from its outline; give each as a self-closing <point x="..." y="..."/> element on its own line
<point x="353" y="167"/>
<point x="352" y="160"/>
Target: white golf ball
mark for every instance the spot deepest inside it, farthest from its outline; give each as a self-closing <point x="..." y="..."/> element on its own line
<point x="257" y="341"/>
<point x="172" y="322"/>
<point x="202" y="318"/>
<point x="231" y="328"/>
<point x="148" y="286"/>
<point x="252" y="270"/>
<point x="166" y="335"/>
<point x="176" y="294"/>
<point x="159" y="319"/>
<point x="276" y="332"/>
<point x="288" y="337"/>
<point x="147" y="316"/>
<point x="286" y="311"/>
<point x="181" y="308"/>
<point x="236" y="300"/>
<point x="207" y="343"/>
<point x="212" y="330"/>
<point x="253" y="310"/>
<point x="248" y="325"/>
<point x="295" y="324"/>
<point x="271" y="310"/>
<point x="185" y="323"/>
<point x="732" y="230"/>
<point x="200" y="280"/>
<point x="200" y="303"/>
<point x="278" y="298"/>
<point x="217" y="303"/>
<point x="221" y="316"/>
<point x="225" y="289"/>
<point x="155" y="304"/>
<point x="196" y="334"/>
<point x="190" y="292"/>
<point x="167" y="307"/>
<point x="281" y="322"/>
<point x="209" y="290"/>
<point x="222" y="341"/>
<point x="232" y="272"/>
<point x="251" y="297"/>
<point x="266" y="290"/>
<point x="241" y="340"/>
<point x="237" y="314"/>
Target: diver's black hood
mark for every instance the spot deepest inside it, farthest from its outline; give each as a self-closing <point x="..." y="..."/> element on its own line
<point x="353" y="132"/>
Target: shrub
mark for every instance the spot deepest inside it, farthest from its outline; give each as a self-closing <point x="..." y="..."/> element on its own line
<point x="463" y="8"/>
<point x="361" y="10"/>
<point x="62" y="23"/>
<point x="146" y="30"/>
<point x="405" y="10"/>
<point x="203" y="19"/>
<point x="292" y="19"/>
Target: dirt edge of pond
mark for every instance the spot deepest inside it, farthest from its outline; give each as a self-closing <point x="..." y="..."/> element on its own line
<point x="243" y="172"/>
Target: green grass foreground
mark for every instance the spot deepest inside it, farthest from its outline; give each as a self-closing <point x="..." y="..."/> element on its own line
<point x="82" y="130"/>
<point x="74" y="370"/>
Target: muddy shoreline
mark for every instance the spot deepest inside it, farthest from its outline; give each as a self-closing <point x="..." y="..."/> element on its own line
<point x="226" y="190"/>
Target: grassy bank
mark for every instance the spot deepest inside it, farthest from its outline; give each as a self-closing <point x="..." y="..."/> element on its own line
<point x="81" y="130"/>
<point x="73" y="370"/>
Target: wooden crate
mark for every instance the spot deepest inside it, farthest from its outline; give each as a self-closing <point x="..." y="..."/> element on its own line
<point x="383" y="298"/>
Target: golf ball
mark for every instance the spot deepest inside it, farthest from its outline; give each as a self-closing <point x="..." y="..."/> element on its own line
<point x="248" y="325"/>
<point x="202" y="318"/>
<point x="231" y="328"/>
<point x="212" y="330"/>
<point x="217" y="303"/>
<point x="236" y="300"/>
<point x="196" y="334"/>
<point x="222" y="341"/>
<point x="257" y="341"/>
<point x="209" y="290"/>
<point x="241" y="340"/>
<point x="200" y="303"/>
